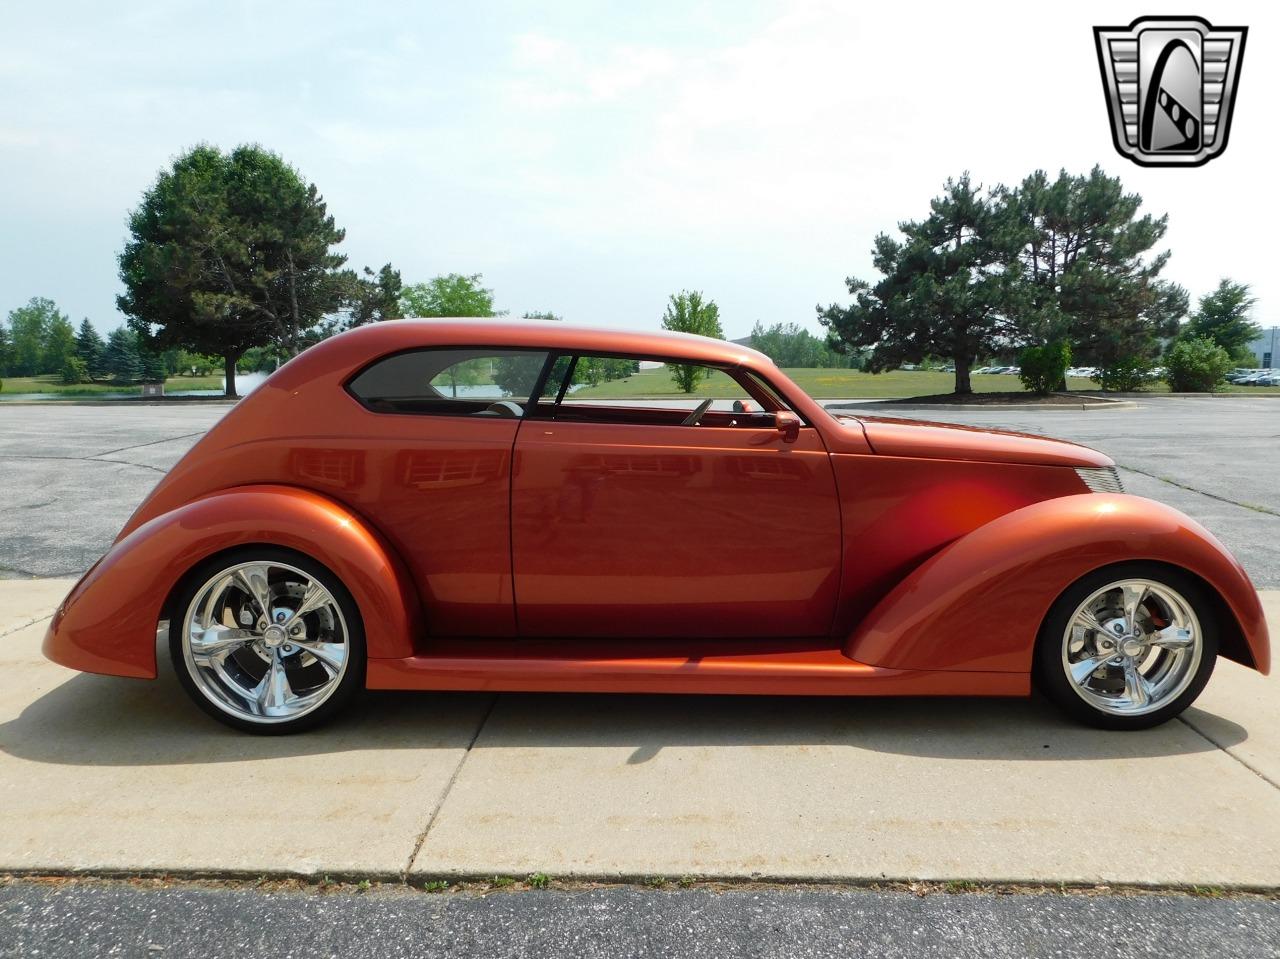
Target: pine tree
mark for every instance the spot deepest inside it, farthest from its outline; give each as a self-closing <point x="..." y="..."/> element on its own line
<point x="120" y="359"/>
<point x="1223" y="317"/>
<point x="945" y="290"/>
<point x="1085" y="270"/>
<point x="152" y="366"/>
<point x="89" y="349"/>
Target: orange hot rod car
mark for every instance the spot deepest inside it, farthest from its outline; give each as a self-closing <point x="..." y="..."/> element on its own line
<point x="437" y="505"/>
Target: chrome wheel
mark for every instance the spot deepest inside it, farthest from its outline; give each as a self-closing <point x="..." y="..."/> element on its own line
<point x="265" y="642"/>
<point x="1132" y="647"/>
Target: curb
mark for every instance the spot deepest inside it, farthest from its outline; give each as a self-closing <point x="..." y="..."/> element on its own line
<point x="460" y="879"/>
<point x="1221" y="395"/>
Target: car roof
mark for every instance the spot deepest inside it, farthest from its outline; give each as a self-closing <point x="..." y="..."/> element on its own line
<point x="375" y="339"/>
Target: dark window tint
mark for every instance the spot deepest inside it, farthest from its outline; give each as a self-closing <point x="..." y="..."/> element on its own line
<point x="452" y="382"/>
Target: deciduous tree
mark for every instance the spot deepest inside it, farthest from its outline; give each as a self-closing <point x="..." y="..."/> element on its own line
<point x="450" y="295"/>
<point x="1197" y="364"/>
<point x="689" y="312"/>
<point x="59" y="344"/>
<point x="29" y="331"/>
<point x="791" y="345"/>
<point x="230" y="251"/>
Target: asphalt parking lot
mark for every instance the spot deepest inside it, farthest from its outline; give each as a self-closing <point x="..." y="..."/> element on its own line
<point x="439" y="788"/>
<point x="73" y="474"/>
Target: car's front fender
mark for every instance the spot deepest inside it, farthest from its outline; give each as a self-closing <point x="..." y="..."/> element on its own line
<point x="979" y="602"/>
<point x="107" y="623"/>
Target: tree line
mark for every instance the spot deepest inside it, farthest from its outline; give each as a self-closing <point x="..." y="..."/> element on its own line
<point x="232" y="259"/>
<point x="39" y="339"/>
<point x="1063" y="266"/>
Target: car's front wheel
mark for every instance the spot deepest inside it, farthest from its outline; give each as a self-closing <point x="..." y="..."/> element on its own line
<point x="267" y="640"/>
<point x="1128" y="646"/>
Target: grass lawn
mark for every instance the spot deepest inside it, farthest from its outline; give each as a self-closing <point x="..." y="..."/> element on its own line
<point x="51" y="383"/>
<point x="820" y="384"/>
<point x="841" y="384"/>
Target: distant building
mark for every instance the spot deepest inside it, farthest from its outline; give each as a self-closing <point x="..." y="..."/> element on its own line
<point x="1266" y="349"/>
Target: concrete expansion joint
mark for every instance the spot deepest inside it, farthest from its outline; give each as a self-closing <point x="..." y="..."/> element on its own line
<point x="448" y="788"/>
<point x="1227" y="749"/>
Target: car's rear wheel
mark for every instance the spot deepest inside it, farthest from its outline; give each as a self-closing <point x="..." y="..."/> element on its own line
<point x="1128" y="646"/>
<point x="267" y="640"/>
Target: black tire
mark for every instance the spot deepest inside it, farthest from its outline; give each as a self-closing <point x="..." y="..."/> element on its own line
<point x="349" y="684"/>
<point x="1052" y="679"/>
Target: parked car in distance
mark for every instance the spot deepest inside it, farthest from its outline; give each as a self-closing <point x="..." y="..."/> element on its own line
<point x="427" y="504"/>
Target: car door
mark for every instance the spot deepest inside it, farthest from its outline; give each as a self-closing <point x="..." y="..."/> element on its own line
<point x="434" y="474"/>
<point x="623" y="527"/>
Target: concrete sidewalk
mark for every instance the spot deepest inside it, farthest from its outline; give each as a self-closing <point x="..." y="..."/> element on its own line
<point x="109" y="775"/>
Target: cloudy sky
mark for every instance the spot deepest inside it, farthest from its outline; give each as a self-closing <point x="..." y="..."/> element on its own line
<point x="591" y="159"/>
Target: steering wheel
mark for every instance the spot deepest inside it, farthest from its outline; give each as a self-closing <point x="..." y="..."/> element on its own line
<point x="506" y="409"/>
<point x="694" y="418"/>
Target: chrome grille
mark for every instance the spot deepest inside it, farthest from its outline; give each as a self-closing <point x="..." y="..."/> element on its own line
<point x="1101" y="479"/>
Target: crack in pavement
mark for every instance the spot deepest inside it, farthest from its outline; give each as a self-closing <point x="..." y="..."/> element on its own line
<point x="1191" y="489"/>
<point x="144" y="466"/>
<point x="448" y="788"/>
<point x="38" y="619"/>
<point x="137" y="446"/>
<point x="87" y="459"/>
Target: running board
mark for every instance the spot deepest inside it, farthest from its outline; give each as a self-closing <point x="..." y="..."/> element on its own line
<point x="671" y="667"/>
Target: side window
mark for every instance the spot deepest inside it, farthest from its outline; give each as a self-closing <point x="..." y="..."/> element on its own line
<point x="555" y="379"/>
<point x="645" y="391"/>
<point x="455" y="382"/>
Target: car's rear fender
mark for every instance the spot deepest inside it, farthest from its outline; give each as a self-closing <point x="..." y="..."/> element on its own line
<point x="107" y="623"/>
<point x="978" y="603"/>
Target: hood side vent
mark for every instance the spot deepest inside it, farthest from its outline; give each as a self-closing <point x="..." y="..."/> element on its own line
<point x="1101" y="479"/>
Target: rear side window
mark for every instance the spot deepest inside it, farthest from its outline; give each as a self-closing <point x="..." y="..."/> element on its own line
<point x="455" y="382"/>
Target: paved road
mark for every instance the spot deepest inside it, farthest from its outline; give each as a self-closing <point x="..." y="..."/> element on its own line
<point x="73" y="474"/>
<point x="917" y="792"/>
<point x="118" y="920"/>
